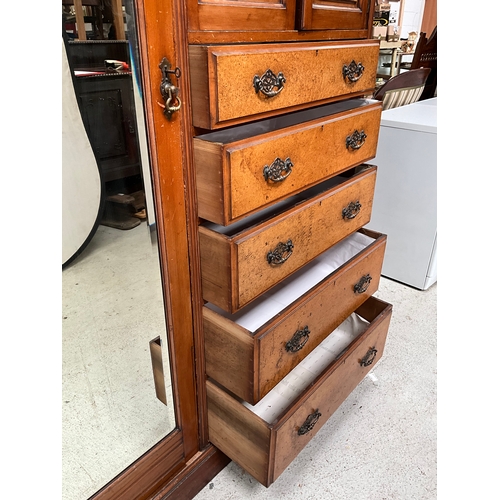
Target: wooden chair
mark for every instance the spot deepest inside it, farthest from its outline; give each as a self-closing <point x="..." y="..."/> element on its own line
<point x="426" y="57"/>
<point x="402" y="89"/>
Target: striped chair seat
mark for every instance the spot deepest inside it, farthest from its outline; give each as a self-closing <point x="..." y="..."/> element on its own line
<point x="405" y="88"/>
<point x="402" y="97"/>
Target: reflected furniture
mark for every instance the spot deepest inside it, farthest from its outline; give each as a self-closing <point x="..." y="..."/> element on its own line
<point x="107" y="105"/>
<point x="392" y="49"/>
<point x="100" y="10"/>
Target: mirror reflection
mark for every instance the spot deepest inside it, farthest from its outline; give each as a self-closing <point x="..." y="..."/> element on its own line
<point x="117" y="396"/>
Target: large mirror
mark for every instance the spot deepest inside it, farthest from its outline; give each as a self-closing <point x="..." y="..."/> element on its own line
<point x="117" y="399"/>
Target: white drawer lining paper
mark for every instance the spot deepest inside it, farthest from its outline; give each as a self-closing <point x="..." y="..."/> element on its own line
<point x="282" y="295"/>
<point x="273" y="404"/>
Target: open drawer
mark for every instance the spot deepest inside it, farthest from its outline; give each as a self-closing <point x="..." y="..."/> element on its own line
<point x="265" y="438"/>
<point x="251" y="351"/>
<point x="242" y="261"/>
<point x="232" y="84"/>
<point x="252" y="166"/>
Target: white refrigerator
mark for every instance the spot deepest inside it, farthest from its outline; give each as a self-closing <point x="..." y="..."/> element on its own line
<point x="405" y="202"/>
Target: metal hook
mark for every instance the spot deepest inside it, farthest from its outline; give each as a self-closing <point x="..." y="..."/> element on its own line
<point x="168" y="90"/>
<point x="169" y="108"/>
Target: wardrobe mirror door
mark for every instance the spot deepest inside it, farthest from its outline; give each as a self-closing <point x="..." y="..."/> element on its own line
<point x="117" y="399"/>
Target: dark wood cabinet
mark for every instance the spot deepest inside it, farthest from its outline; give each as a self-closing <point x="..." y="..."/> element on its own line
<point x="106" y="101"/>
<point x="108" y="113"/>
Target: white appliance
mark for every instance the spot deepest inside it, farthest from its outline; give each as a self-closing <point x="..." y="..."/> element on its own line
<point x="405" y="202"/>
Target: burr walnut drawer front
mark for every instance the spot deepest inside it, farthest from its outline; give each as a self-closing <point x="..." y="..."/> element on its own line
<point x="242" y="261"/>
<point x="236" y="83"/>
<point x="265" y="438"/>
<point x="246" y="168"/>
<point x="249" y="352"/>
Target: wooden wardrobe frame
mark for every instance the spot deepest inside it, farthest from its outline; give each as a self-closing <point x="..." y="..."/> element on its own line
<point x="182" y="463"/>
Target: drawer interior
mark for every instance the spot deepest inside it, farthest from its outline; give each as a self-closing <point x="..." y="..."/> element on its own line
<point x="285" y="293"/>
<point x="272" y="406"/>
<point x="241" y="132"/>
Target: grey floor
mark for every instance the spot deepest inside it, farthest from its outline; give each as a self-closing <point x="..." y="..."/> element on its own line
<point x="112" y="307"/>
<point x="381" y="443"/>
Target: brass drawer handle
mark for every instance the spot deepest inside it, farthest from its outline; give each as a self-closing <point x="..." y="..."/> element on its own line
<point x="280" y="254"/>
<point x="351" y="210"/>
<point x="298" y="341"/>
<point x="369" y="357"/>
<point x="362" y="285"/>
<point x="355" y="140"/>
<point x="309" y="423"/>
<point x="353" y="72"/>
<point x="278" y="171"/>
<point x="267" y="82"/>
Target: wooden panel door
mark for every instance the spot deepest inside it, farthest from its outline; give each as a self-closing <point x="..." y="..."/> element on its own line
<point x="237" y="15"/>
<point x="337" y="14"/>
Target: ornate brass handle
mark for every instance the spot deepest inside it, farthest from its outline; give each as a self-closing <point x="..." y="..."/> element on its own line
<point x="278" y="171"/>
<point x="355" y="140"/>
<point x="309" y="423"/>
<point x="280" y="254"/>
<point x="362" y="285"/>
<point x="298" y="341"/>
<point x="369" y="357"/>
<point x="351" y="210"/>
<point x="268" y="82"/>
<point x="353" y="72"/>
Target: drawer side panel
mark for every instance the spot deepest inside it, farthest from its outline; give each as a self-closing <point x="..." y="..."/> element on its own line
<point x="229" y="354"/>
<point x="238" y="433"/>
<point x="209" y="165"/>
<point x="200" y="89"/>
<point x="215" y="259"/>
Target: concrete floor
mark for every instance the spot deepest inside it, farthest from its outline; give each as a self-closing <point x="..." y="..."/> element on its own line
<point x="112" y="307"/>
<point x="381" y="443"/>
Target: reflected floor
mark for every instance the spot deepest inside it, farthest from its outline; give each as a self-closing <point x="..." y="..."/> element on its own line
<point x="112" y="307"/>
